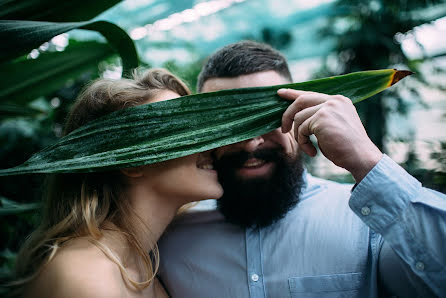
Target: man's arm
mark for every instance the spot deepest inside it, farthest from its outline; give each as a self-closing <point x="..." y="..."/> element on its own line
<point x="412" y="221"/>
<point x="396" y="278"/>
<point x="410" y="218"/>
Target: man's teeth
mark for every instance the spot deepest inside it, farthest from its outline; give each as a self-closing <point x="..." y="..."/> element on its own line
<point x="206" y="167"/>
<point x="253" y="163"/>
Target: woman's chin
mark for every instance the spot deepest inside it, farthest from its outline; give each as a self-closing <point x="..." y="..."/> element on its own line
<point x="212" y="189"/>
<point x="218" y="194"/>
<point x="212" y="194"/>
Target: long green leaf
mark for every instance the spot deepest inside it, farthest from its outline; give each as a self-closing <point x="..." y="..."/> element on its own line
<point x="186" y="125"/>
<point x="9" y="207"/>
<point x="20" y="37"/>
<point x="53" y="10"/>
<point x="26" y="79"/>
<point x="14" y="110"/>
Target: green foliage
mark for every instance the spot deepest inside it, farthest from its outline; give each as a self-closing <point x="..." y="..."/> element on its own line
<point x="10" y="207"/>
<point x="26" y="79"/>
<point x="434" y="178"/>
<point x="53" y="10"/>
<point x="187" y="73"/>
<point x="23" y="36"/>
<point x="36" y="93"/>
<point x="170" y="129"/>
<point x="278" y="38"/>
<point x="365" y="37"/>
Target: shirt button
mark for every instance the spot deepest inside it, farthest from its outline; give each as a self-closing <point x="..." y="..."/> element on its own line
<point x="254" y="277"/>
<point x="365" y="210"/>
<point x="419" y="266"/>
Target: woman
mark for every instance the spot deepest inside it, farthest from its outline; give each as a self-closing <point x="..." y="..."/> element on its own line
<point x="99" y="231"/>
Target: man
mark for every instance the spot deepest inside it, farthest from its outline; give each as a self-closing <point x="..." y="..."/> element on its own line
<point x="279" y="232"/>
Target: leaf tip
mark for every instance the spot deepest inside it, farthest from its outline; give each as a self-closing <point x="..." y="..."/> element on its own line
<point x="399" y="75"/>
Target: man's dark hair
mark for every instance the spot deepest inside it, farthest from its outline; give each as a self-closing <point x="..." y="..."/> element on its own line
<point x="241" y="58"/>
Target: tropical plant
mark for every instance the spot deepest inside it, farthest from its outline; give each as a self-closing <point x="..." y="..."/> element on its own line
<point x="435" y="177"/>
<point x="366" y="37"/>
<point x="170" y="129"/>
<point x="31" y="86"/>
<point x="27" y="78"/>
<point x="27" y="120"/>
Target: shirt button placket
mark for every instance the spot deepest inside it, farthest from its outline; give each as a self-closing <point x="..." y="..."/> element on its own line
<point x="254" y="263"/>
<point x="254" y="277"/>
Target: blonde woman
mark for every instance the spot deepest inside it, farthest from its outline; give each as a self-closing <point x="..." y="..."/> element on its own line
<point x="98" y="233"/>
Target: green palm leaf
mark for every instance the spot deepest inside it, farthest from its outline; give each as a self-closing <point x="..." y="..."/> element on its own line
<point x="20" y="37"/>
<point x="9" y="207"/>
<point x="26" y="79"/>
<point x="186" y="125"/>
<point x="53" y="10"/>
<point x="8" y="110"/>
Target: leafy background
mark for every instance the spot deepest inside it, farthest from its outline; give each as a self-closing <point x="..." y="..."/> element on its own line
<point x="42" y="68"/>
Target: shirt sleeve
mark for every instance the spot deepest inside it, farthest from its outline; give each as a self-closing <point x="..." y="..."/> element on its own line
<point x="410" y="218"/>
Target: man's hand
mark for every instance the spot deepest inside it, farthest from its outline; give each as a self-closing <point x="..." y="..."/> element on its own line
<point x="335" y="123"/>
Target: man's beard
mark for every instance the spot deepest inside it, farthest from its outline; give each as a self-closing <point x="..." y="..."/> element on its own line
<point x="259" y="201"/>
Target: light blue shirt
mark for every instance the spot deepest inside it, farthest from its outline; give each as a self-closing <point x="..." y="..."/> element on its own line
<point x="388" y="233"/>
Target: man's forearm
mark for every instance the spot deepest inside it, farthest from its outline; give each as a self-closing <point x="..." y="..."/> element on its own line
<point x="410" y="218"/>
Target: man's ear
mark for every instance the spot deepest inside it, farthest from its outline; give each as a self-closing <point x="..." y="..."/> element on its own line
<point x="135" y="172"/>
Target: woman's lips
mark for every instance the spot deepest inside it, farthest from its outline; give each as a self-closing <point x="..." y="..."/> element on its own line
<point x="204" y="161"/>
<point x="207" y="166"/>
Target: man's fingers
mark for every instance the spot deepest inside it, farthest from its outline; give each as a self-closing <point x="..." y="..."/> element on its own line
<point x="291" y="94"/>
<point x="300" y="117"/>
<point x="303" y="101"/>
<point x="303" y="133"/>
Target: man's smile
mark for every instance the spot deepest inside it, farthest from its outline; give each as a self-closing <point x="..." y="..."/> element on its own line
<point x="255" y="167"/>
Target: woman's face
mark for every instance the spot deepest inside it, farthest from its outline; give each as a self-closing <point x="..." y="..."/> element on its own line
<point x="189" y="178"/>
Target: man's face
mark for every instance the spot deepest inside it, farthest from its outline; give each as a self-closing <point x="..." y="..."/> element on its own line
<point x="286" y="143"/>
<point x="261" y="177"/>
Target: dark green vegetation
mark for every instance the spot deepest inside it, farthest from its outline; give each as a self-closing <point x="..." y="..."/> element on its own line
<point x="368" y="35"/>
<point x="191" y="124"/>
<point x="35" y="94"/>
<point x="29" y="121"/>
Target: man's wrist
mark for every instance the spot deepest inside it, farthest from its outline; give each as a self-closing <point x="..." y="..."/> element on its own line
<point x="366" y="164"/>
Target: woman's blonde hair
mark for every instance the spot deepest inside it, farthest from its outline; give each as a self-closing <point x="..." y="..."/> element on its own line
<point x="83" y="205"/>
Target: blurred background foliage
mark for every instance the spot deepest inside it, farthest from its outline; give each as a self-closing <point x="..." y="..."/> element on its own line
<point x="41" y="73"/>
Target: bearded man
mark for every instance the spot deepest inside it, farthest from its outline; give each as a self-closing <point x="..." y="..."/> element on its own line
<point x="280" y="232"/>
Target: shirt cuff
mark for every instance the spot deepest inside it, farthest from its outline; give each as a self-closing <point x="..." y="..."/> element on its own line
<point x="382" y="196"/>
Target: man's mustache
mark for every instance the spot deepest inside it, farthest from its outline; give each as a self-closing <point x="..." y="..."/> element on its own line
<point x="238" y="159"/>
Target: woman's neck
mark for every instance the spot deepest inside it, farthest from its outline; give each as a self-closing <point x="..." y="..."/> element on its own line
<point x="153" y="210"/>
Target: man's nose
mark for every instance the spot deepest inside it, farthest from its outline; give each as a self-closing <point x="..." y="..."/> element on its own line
<point x="252" y="144"/>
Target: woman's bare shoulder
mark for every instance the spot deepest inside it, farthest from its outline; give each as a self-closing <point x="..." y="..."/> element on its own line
<point x="79" y="269"/>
